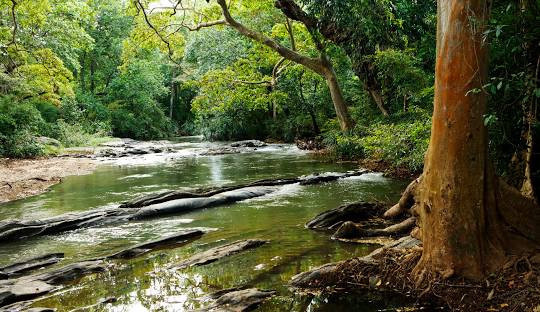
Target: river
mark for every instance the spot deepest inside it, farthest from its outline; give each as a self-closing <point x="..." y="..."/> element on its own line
<point x="144" y="283"/>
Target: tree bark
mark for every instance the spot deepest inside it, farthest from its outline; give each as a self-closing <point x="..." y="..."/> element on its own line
<point x="339" y="36"/>
<point x="469" y="219"/>
<point x="340" y="105"/>
<point x="378" y="99"/>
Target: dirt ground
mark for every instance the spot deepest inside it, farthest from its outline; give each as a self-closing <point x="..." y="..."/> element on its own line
<point x="20" y="178"/>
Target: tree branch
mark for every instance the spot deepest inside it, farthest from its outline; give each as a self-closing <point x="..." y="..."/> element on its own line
<point x="199" y="26"/>
<point x="140" y="8"/>
<point x="15" y="25"/>
<point x="314" y="64"/>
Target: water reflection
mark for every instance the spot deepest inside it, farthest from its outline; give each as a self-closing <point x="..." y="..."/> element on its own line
<point x="146" y="283"/>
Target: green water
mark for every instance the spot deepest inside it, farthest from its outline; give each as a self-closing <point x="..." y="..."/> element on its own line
<point x="144" y="283"/>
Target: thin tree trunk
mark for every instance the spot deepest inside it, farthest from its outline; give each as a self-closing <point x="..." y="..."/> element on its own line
<point x="173" y="94"/>
<point x="340" y="105"/>
<point x="92" y="79"/>
<point x="378" y="99"/>
<point x="81" y="75"/>
<point x="527" y="188"/>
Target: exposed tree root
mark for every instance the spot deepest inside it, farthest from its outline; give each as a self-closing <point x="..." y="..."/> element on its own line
<point x="352" y="230"/>
<point x="516" y="287"/>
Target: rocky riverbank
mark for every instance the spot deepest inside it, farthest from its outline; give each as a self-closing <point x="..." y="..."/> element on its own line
<point x="21" y="178"/>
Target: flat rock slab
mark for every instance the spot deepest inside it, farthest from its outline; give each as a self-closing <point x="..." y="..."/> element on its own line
<point x="241" y="300"/>
<point x="172" y="240"/>
<point x="214" y="254"/>
<point x="19" y="268"/>
<point x="23" y="290"/>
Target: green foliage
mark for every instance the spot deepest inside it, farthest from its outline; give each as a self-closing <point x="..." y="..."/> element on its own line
<point x="402" y="80"/>
<point x="18" y="123"/>
<point x="135" y="112"/>
<point x="401" y="142"/>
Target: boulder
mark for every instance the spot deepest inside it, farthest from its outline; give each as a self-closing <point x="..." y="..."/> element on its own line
<point x="48" y="141"/>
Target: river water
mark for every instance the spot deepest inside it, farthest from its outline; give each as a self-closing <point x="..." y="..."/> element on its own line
<point x="145" y="283"/>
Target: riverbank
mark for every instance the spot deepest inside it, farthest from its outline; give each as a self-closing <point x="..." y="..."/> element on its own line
<point x="20" y="178"/>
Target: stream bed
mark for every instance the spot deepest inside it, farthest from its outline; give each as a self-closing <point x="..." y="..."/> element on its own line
<point x="145" y="283"/>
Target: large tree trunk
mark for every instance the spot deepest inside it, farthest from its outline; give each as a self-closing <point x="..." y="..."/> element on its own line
<point x="469" y="219"/>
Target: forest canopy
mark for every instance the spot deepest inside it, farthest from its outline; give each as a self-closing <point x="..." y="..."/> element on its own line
<point x="355" y="76"/>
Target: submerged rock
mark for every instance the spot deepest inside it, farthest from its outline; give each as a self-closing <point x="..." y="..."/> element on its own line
<point x="140" y="249"/>
<point x="240" y="300"/>
<point x="216" y="253"/>
<point x="248" y="143"/>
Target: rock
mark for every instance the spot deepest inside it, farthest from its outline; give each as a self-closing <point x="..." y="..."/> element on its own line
<point x="329" y="176"/>
<point x="310" y="144"/>
<point x="68" y="273"/>
<point x="140" y="249"/>
<point x="23" y="290"/>
<point x="19" y="268"/>
<point x="248" y="143"/>
<point x="355" y="212"/>
<point x="241" y="300"/>
<point x="189" y="204"/>
<point x="48" y="141"/>
<point x="348" y="230"/>
<point x="220" y="151"/>
<point x="16" y="229"/>
<point x="326" y="272"/>
<point x="40" y="310"/>
<point x="137" y="151"/>
<point x="155" y="205"/>
<point x="33" y="286"/>
<point x="219" y="252"/>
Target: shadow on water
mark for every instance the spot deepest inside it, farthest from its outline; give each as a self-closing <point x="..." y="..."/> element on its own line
<point x="145" y="283"/>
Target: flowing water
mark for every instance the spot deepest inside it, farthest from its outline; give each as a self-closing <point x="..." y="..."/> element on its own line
<point x="145" y="283"/>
